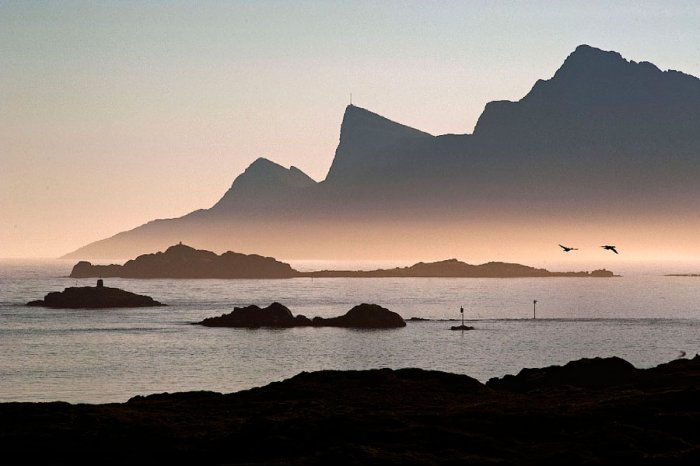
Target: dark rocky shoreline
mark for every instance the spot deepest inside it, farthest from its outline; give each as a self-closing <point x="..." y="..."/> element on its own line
<point x="591" y="411"/>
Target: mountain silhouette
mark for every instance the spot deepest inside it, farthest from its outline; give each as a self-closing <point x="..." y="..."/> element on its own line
<point x="263" y="182"/>
<point x="603" y="136"/>
<point x="364" y="137"/>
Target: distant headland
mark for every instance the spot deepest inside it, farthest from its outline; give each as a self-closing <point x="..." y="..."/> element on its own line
<point x="452" y="268"/>
<point x="182" y="261"/>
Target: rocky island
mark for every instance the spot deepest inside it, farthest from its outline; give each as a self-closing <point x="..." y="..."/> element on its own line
<point x="278" y="316"/>
<point x="94" y="297"/>
<point x="182" y="261"/>
<point x="453" y="268"/>
<point x="591" y="411"/>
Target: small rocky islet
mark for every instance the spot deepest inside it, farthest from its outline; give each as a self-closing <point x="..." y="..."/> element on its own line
<point x="276" y="315"/>
<point x="94" y="297"/>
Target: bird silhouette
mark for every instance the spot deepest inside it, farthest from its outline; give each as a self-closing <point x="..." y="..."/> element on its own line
<point x="610" y="248"/>
<point x="567" y="249"/>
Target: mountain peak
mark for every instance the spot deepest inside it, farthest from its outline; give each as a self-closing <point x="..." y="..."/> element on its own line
<point x="359" y="122"/>
<point x="596" y="96"/>
<point x="586" y="61"/>
<point x="587" y="52"/>
<point x="264" y="180"/>
<point x="261" y="163"/>
<point x="363" y="136"/>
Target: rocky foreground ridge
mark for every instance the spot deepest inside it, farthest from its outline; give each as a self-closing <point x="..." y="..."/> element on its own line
<point x="182" y="261"/>
<point x="590" y="411"/>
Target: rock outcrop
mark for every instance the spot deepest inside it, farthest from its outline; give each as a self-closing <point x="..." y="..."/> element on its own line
<point x="274" y="315"/>
<point x="278" y="316"/>
<point x="363" y="316"/>
<point x="94" y="297"/>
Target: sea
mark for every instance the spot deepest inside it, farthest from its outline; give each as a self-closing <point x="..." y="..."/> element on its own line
<point x="104" y="356"/>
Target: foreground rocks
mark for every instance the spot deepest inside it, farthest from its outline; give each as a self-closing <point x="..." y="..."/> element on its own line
<point x="279" y="316"/>
<point x="94" y="297"/>
<point x="579" y="414"/>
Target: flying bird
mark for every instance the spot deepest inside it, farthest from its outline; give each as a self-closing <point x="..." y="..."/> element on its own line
<point x="567" y="249"/>
<point x="610" y="248"/>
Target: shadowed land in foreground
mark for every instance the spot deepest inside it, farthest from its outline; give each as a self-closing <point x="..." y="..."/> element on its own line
<point x="594" y="411"/>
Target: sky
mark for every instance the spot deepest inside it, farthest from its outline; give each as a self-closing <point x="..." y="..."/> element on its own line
<point x="116" y="113"/>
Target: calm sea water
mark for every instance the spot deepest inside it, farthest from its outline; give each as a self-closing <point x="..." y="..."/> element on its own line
<point x="98" y="356"/>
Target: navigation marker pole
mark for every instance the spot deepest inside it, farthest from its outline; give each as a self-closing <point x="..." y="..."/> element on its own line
<point x="534" y="309"/>
<point x="461" y="311"/>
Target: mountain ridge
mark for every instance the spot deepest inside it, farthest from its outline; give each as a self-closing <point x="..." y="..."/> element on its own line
<point x="603" y="136"/>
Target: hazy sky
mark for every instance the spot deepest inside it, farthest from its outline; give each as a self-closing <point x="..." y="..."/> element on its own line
<point x="116" y="113"/>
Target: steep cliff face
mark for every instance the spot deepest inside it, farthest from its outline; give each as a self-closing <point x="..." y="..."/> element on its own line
<point x="365" y="140"/>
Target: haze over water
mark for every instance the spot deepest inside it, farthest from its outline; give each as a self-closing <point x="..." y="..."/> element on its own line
<point x="110" y="356"/>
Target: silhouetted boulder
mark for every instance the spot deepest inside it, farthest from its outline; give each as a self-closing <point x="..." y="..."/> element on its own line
<point x="363" y="316"/>
<point x="274" y="315"/>
<point x="97" y="297"/>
